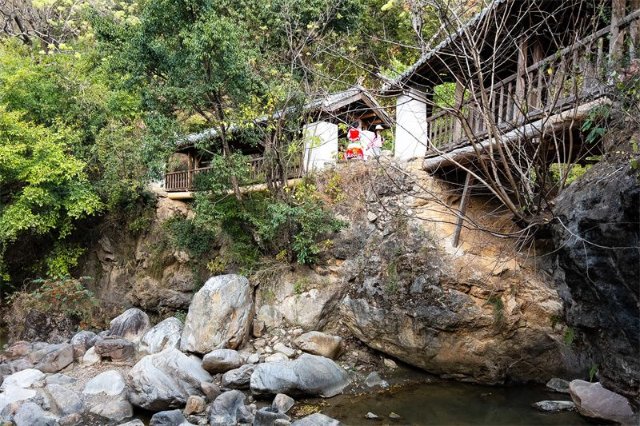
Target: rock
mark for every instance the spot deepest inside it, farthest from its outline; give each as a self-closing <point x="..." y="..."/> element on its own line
<point x="253" y="359"/>
<point x="394" y="416"/>
<point x="219" y="315"/>
<point x="310" y="309"/>
<point x="554" y="406"/>
<point x="372" y="217"/>
<point x="371" y="416"/>
<point x="210" y="390"/>
<point x="276" y="357"/>
<point x="558" y="385"/>
<point x="195" y="405"/>
<point x="168" y="418"/>
<point x="114" y="410"/>
<point x="165" y="380"/>
<point x="60" y="379"/>
<point x="90" y="357"/>
<point x="226" y="408"/>
<point x="282" y="402"/>
<point x="221" y="360"/>
<point x="115" y="349"/>
<point x="389" y="363"/>
<point x="134" y="422"/>
<point x="110" y="383"/>
<point x="165" y="334"/>
<point x="284" y="349"/>
<point x="308" y="375"/>
<point x="238" y="378"/>
<point x="30" y="414"/>
<point x="593" y="400"/>
<point x="258" y="328"/>
<point x="317" y="343"/>
<point x="53" y="358"/>
<point x="130" y="325"/>
<point x="281" y="422"/>
<point x="73" y="419"/>
<point x="81" y="342"/>
<point x="66" y="400"/>
<point x="316" y="419"/>
<point x="374" y="379"/>
<point x="22" y="379"/>
<point x="267" y="416"/>
<point x="16" y="394"/>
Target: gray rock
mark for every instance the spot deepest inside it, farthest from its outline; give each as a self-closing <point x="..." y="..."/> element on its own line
<point x="389" y="363"/>
<point x="221" y="360"/>
<point x="110" y="383"/>
<point x="558" y="385"/>
<point x="165" y="334"/>
<point x="22" y="379"/>
<point x="30" y="414"/>
<point x="53" y="358"/>
<point x="73" y="419"/>
<point x="282" y="422"/>
<point x="195" y="405"/>
<point x="134" y="422"/>
<point x="316" y="419"/>
<point x="282" y="402"/>
<point x="16" y="394"/>
<point x="219" y="315"/>
<point x="253" y="359"/>
<point x="130" y="325"/>
<point x="226" y="409"/>
<point x="60" y="379"/>
<point x="394" y="416"/>
<point x="90" y="357"/>
<point x="238" y="378"/>
<point x="308" y="375"/>
<point x="318" y="343"/>
<point x="114" y="348"/>
<point x="66" y="400"/>
<point x="267" y="416"/>
<point x="165" y="380"/>
<point x="210" y="390"/>
<point x="593" y="400"/>
<point x="81" y="342"/>
<point x="371" y="416"/>
<point x="276" y="357"/>
<point x="374" y="379"/>
<point x="284" y="349"/>
<point x="554" y="406"/>
<point x="115" y="410"/>
<point x="168" y="418"/>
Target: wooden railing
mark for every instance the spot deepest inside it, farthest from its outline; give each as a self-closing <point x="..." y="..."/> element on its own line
<point x="184" y="180"/>
<point x="557" y="82"/>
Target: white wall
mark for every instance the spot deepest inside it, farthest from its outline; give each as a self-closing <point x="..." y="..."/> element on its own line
<point x="411" y="127"/>
<point x="320" y="145"/>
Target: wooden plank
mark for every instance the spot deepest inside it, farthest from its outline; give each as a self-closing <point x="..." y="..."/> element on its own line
<point x="466" y="192"/>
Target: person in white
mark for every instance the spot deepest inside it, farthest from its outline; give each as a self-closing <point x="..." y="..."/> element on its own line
<point x="378" y="140"/>
<point x="366" y="140"/>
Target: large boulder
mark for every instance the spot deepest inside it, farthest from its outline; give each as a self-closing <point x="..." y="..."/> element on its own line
<point x="52" y="358"/>
<point x="168" y="418"/>
<point x="219" y="315"/>
<point x="165" y="380"/>
<point x="110" y="383"/>
<point x="593" y="400"/>
<point x="66" y="400"/>
<point x="238" y="378"/>
<point x="317" y="343"/>
<point x="81" y="342"/>
<point x="309" y="375"/>
<point x="113" y="410"/>
<point x="115" y="349"/>
<point x="22" y="379"/>
<point x="131" y="324"/>
<point x="30" y="414"/>
<point x="221" y="360"/>
<point x="165" y="334"/>
<point x="228" y="409"/>
<point x="316" y="419"/>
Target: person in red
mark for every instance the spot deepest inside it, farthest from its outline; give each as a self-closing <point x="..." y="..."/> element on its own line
<point x="354" y="149"/>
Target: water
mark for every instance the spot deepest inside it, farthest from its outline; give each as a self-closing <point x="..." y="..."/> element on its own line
<point x="452" y="404"/>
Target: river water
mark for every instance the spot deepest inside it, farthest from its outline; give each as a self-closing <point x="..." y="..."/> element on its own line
<point x="451" y="403"/>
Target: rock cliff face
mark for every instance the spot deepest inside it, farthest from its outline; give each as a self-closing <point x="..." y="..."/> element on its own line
<point x="597" y="235"/>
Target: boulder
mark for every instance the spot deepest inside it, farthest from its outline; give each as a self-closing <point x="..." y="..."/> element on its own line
<point x="110" y="383"/>
<point x="165" y="334"/>
<point x="308" y="375"/>
<point x="130" y="325"/>
<point x="90" y="357"/>
<point x="310" y="309"/>
<point x="267" y="416"/>
<point x="115" y="410"/>
<point x="221" y="360"/>
<point x="60" y="379"/>
<point x="168" y="418"/>
<point x="558" y="385"/>
<point x="593" y="400"/>
<point x="81" y="342"/>
<point x="276" y="357"/>
<point x="227" y="408"/>
<point x="316" y="419"/>
<point x="219" y="315"/>
<point x="554" y="406"/>
<point x="238" y="378"/>
<point x="165" y="380"/>
<point x="30" y="414"/>
<point x="52" y="358"/>
<point x="196" y="404"/>
<point x="66" y="400"/>
<point x="283" y="403"/>
<point x="115" y="349"/>
<point x="284" y="349"/>
<point x="210" y="390"/>
<point x="134" y="422"/>
<point x="22" y="379"/>
<point x="16" y="394"/>
<point x="317" y="343"/>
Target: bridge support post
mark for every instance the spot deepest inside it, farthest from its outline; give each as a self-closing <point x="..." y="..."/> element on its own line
<point x="464" y="202"/>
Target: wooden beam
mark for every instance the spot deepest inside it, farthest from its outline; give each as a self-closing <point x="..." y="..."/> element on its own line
<point x="464" y="202"/>
<point x="617" y="38"/>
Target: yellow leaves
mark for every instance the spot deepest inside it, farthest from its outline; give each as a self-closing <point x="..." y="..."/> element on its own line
<point x="388" y="5"/>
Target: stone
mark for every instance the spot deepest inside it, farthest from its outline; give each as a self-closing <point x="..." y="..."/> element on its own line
<point x="134" y="422"/>
<point x="221" y="360"/>
<point x="558" y="385"/>
<point x="196" y="404"/>
<point x="226" y="408"/>
<point x="316" y="419"/>
<point x="238" y="378"/>
<point x="371" y="416"/>
<point x="30" y="414"/>
<point x="317" y="343"/>
<point x="53" y="358"/>
<point x="115" y="410"/>
<point x="284" y="349"/>
<point x="389" y="363"/>
<point x="16" y="394"/>
<point x="165" y="334"/>
<point x="210" y="390"/>
<point x="165" y="380"/>
<point x="283" y="403"/>
<point x="310" y="309"/>
<point x="110" y="383"/>
<point x="374" y="379"/>
<point x="66" y="400"/>
<point x="269" y="317"/>
<point x="115" y="349"/>
<point x="60" y="379"/>
<point x="276" y="357"/>
<point x="308" y="375"/>
<point x="593" y="400"/>
<point x="394" y="416"/>
<point x="90" y="357"/>
<point x="253" y="359"/>
<point x="130" y="325"/>
<point x="168" y="418"/>
<point x="266" y="416"/>
<point x="219" y="315"/>
<point x="258" y="328"/>
<point x="81" y="342"/>
<point x="73" y="419"/>
<point x="281" y="422"/>
<point x="22" y="379"/>
<point x="372" y="217"/>
<point x="554" y="406"/>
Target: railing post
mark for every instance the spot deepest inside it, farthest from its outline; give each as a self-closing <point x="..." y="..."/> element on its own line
<point x="617" y="38"/>
<point x="459" y="101"/>
<point x="520" y="100"/>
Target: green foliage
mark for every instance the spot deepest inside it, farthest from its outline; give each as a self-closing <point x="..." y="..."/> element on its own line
<point x="181" y="315"/>
<point x="498" y="308"/>
<point x="595" y="125"/>
<point x="573" y="172"/>
<point x="186" y="235"/>
<point x="593" y="370"/>
<point x="62" y="259"/>
<point x="569" y="336"/>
